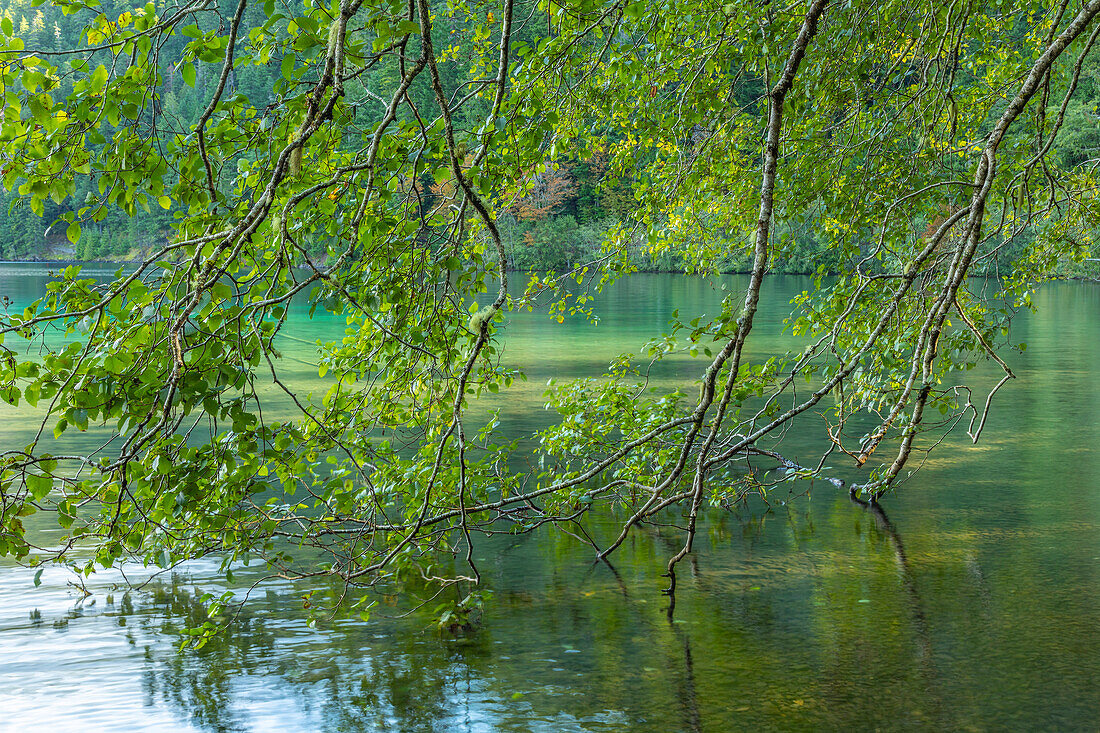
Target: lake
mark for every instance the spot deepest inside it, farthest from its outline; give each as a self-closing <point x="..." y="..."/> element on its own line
<point x="971" y="603"/>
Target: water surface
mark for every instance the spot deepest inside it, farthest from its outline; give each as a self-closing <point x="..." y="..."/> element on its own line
<point x="973" y="606"/>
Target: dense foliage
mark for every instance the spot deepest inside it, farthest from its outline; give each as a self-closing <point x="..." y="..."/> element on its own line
<point x="561" y="222"/>
<point x="393" y="162"/>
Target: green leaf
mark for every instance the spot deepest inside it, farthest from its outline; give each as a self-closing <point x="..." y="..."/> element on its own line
<point x="188" y="72"/>
<point x="65" y="514"/>
<point x="73" y="232"/>
<point x="38" y="577"/>
<point x="39" y="485"/>
<point x="99" y="79"/>
<point x="39" y="112"/>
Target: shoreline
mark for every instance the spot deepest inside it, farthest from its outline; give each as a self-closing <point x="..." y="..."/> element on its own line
<point x="68" y="262"/>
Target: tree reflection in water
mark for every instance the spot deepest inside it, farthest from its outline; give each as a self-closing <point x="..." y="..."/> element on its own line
<point x="769" y="632"/>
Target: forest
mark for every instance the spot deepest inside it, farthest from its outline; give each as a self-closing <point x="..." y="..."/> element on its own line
<point x="573" y="201"/>
<point x="560" y="222"/>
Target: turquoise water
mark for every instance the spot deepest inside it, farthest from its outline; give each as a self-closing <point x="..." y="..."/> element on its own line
<point x="974" y="605"/>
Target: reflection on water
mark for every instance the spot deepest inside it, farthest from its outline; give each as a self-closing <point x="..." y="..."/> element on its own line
<point x="971" y="603"/>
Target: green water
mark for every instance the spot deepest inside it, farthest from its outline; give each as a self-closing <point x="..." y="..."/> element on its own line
<point x="974" y="606"/>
